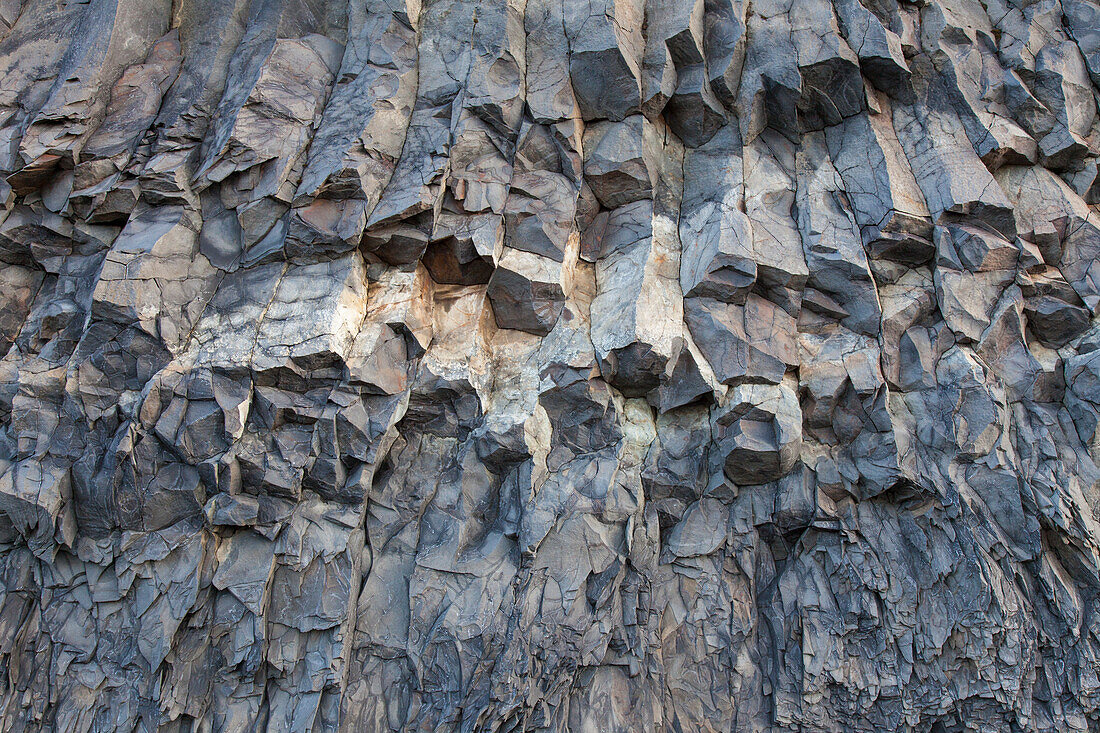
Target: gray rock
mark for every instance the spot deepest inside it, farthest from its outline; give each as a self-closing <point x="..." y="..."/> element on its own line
<point x="888" y="204"/>
<point x="717" y="258"/>
<point x="759" y="433"/>
<point x="107" y="39"/>
<point x="359" y="137"/>
<point x="876" y="41"/>
<point x="948" y="170"/>
<point x="618" y="161"/>
<point x="840" y="284"/>
<point x="754" y="341"/>
<point x="591" y="365"/>
<point x="527" y="291"/>
<point x="1066" y="229"/>
<point x="724" y="42"/>
<point x="606" y="46"/>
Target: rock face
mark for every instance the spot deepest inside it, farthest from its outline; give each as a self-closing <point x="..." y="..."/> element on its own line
<point x="549" y="365"/>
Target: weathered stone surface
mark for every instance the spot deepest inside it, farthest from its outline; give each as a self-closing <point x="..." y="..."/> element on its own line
<point x="542" y="365"/>
<point x="759" y="431"/>
<point x="606" y="46"/>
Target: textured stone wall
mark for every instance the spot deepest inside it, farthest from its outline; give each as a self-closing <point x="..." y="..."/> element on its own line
<point x="549" y="365"/>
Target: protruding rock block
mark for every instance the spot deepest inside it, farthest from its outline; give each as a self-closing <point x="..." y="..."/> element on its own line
<point x="840" y="285"/>
<point x="888" y="204"/>
<point x="759" y="432"/>
<point x="1066" y="229"/>
<point x="950" y="173"/>
<point x="770" y="193"/>
<point x="462" y="249"/>
<point x="619" y="161"/>
<point x="606" y="46"/>
<point x="878" y="45"/>
<point x="750" y="342"/>
<point x="361" y="131"/>
<point x="636" y="312"/>
<point x="717" y="257"/>
<point x="155" y="277"/>
<point x="724" y="40"/>
<point x="112" y="37"/>
<point x="267" y="121"/>
<point x="310" y="329"/>
<point x="527" y="292"/>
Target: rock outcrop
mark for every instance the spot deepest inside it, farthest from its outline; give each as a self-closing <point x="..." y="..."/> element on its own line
<point x="549" y="365"/>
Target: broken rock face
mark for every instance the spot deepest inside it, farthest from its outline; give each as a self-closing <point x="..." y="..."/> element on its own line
<point x="504" y="365"/>
<point x="759" y="430"/>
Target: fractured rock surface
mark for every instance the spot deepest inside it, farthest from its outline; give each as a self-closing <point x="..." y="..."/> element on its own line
<point x="549" y="365"/>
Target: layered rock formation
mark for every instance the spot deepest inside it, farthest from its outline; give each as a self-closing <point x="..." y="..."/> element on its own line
<point x="566" y="365"/>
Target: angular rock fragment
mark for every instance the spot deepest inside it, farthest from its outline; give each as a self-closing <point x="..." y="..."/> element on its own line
<point x="135" y="100"/>
<point x="888" y="204"/>
<point x="840" y="284"/>
<point x="960" y="52"/>
<point x="31" y="236"/>
<point x="876" y="42"/>
<point x="361" y="131"/>
<point x="800" y="74"/>
<point x="1081" y="20"/>
<point x="781" y="273"/>
<point x="463" y="249"/>
<point x="258" y="126"/>
<point x="1055" y="313"/>
<point x="759" y="431"/>
<point x="724" y="40"/>
<point x="1066" y="230"/>
<point x="527" y="292"/>
<point x="973" y="269"/>
<point x="750" y="342"/>
<point x="717" y="258"/>
<point x="606" y="46"/>
<point x="310" y="329"/>
<point x="635" y="314"/>
<point x="619" y="161"/>
<point x="947" y="168"/>
<point x="539" y="213"/>
<point x="550" y="94"/>
<point x="154" y="276"/>
<point x="111" y="37"/>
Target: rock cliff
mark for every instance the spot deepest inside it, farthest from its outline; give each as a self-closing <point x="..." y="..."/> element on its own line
<point x="549" y="365"/>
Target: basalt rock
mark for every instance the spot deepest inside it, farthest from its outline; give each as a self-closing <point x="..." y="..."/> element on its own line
<point x="543" y="365"/>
